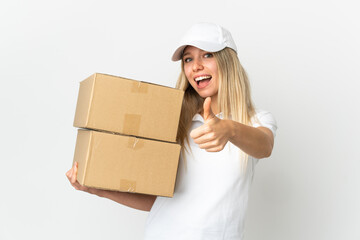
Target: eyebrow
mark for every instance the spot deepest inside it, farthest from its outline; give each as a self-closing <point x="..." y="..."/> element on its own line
<point x="185" y="53"/>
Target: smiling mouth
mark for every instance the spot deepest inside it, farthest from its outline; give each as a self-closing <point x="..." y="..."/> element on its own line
<point x="202" y="81"/>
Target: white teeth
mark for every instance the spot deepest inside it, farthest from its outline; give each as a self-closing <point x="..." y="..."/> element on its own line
<point x="202" y="78"/>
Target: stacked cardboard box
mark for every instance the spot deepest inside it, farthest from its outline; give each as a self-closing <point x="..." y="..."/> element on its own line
<point x="128" y="138"/>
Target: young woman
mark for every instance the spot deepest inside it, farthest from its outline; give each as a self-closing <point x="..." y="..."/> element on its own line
<point x="222" y="136"/>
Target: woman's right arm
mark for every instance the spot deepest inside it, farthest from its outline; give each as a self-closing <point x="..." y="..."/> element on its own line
<point x="134" y="200"/>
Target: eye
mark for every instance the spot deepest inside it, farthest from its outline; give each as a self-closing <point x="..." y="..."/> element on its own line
<point x="208" y="55"/>
<point x="186" y="60"/>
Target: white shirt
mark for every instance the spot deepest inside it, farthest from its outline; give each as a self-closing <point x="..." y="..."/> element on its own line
<point x="211" y="193"/>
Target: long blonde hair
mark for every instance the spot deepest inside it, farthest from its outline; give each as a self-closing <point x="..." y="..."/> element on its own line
<point x="234" y="95"/>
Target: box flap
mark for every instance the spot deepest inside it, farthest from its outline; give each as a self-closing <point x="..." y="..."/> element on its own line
<point x="82" y="154"/>
<point x="83" y="106"/>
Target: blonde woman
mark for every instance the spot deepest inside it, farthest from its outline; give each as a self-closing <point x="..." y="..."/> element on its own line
<point x="222" y="136"/>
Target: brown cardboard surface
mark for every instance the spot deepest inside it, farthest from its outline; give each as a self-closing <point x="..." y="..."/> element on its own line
<point x="125" y="163"/>
<point x="128" y="107"/>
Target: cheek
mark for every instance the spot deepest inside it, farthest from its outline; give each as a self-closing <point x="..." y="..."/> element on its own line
<point x="187" y="72"/>
<point x="188" y="75"/>
<point x="214" y="69"/>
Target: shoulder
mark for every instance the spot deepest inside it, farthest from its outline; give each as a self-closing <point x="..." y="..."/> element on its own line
<point x="266" y="119"/>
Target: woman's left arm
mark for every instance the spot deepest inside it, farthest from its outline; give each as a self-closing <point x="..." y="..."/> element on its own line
<point x="257" y="142"/>
<point x="214" y="134"/>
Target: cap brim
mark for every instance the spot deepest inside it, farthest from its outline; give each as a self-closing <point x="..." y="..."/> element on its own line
<point x="178" y="53"/>
<point x="205" y="46"/>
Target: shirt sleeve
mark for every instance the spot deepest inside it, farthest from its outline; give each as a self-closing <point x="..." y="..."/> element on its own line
<point x="265" y="119"/>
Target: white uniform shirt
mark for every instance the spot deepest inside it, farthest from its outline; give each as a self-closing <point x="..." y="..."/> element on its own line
<point x="211" y="194"/>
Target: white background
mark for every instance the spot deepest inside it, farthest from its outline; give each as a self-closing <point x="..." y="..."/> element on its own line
<point x="302" y="58"/>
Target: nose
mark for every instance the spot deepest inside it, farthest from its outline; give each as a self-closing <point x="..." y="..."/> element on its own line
<point x="197" y="65"/>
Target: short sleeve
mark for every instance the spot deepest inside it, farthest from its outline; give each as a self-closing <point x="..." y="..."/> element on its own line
<point x="265" y="119"/>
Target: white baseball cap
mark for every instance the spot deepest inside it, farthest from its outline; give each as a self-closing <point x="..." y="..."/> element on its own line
<point x="206" y="36"/>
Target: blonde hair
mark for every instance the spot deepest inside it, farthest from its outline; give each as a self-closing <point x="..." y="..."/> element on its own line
<point x="234" y="95"/>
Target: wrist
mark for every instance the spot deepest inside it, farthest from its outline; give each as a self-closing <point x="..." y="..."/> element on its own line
<point x="94" y="191"/>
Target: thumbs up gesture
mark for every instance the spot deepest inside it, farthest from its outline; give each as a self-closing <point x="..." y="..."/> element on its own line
<point x="214" y="133"/>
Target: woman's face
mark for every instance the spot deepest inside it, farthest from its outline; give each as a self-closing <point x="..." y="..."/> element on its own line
<point x="201" y="71"/>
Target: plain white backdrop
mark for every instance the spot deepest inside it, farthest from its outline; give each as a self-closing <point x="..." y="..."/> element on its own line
<point x="302" y="58"/>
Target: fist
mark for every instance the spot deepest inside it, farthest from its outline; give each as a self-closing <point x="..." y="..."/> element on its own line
<point x="213" y="135"/>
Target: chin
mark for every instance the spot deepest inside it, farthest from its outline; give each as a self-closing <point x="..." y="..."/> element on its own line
<point x="206" y="94"/>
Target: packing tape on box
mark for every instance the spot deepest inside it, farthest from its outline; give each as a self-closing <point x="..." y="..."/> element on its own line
<point x="135" y="143"/>
<point x="132" y="124"/>
<point x="127" y="185"/>
<point x="139" y="87"/>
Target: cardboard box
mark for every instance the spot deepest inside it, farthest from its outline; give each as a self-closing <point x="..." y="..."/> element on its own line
<point x="125" y="163"/>
<point x="128" y="107"/>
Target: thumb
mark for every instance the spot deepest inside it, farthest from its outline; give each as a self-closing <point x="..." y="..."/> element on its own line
<point x="208" y="114"/>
